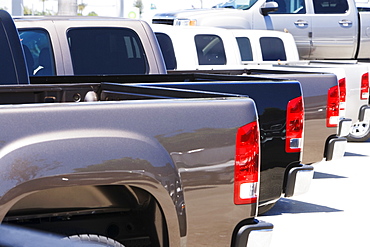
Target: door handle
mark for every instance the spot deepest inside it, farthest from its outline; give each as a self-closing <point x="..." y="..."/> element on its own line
<point x="301" y="23"/>
<point x="345" y="23"/>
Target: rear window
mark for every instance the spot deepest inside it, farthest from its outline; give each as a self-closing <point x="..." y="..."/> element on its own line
<point x="210" y="50"/>
<point x="97" y="51"/>
<point x="38" y="52"/>
<point x="272" y="49"/>
<point x="245" y="48"/>
<point x="330" y="6"/>
<point x="168" y="51"/>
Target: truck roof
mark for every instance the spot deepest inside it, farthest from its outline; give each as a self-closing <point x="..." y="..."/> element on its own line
<point x="77" y="20"/>
<point x="70" y="18"/>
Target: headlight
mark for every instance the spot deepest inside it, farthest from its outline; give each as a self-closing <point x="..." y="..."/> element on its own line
<point x="184" y="22"/>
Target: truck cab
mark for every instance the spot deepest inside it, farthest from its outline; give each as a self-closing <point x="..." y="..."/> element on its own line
<point x="320" y="27"/>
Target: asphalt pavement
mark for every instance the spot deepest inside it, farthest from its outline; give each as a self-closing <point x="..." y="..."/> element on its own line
<point x="335" y="211"/>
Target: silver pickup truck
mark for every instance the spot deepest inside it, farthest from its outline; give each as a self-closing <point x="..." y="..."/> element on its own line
<point x="323" y="29"/>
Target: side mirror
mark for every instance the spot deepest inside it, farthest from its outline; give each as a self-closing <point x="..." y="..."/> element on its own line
<point x="269" y="7"/>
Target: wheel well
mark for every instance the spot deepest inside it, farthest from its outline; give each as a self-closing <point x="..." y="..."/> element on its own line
<point x="127" y="214"/>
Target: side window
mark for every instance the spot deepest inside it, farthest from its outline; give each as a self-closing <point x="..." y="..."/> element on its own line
<point x="210" y="50"/>
<point x="168" y="52"/>
<point x="330" y="6"/>
<point x="272" y="49"/>
<point x="245" y="48"/>
<point x="106" y="51"/>
<point x="290" y="7"/>
<point x="38" y="52"/>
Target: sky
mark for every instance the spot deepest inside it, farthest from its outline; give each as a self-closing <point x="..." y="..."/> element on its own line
<point x="109" y="7"/>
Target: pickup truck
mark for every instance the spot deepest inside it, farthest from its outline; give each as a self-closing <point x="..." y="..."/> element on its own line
<point x="321" y="28"/>
<point x="228" y="51"/>
<point x="211" y="48"/>
<point x="111" y="157"/>
<point x="48" y="54"/>
<point x="356" y="96"/>
<point x="221" y="51"/>
<point x="59" y="35"/>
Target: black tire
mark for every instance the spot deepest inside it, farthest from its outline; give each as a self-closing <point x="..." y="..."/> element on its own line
<point x="360" y="132"/>
<point x="96" y="240"/>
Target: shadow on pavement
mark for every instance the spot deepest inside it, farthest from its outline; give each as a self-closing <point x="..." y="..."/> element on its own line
<point x="288" y="206"/>
<point x="354" y="154"/>
<point x="321" y="175"/>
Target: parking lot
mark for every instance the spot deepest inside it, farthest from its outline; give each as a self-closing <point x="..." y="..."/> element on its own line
<point x="335" y="210"/>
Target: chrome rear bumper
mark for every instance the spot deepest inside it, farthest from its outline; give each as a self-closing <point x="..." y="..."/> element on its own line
<point x="254" y="235"/>
<point x="299" y="180"/>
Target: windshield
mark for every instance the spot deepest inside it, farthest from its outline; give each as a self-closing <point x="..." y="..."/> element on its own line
<point x="236" y="4"/>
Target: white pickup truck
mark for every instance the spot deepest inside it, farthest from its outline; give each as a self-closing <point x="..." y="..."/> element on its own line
<point x="181" y="47"/>
<point x="356" y="82"/>
<point x="206" y="48"/>
<point x="323" y="29"/>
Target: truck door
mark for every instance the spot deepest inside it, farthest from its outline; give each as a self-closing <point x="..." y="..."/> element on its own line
<point x="292" y="17"/>
<point x="334" y="31"/>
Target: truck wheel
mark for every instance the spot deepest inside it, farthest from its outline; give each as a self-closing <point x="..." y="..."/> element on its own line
<point x="359" y="132"/>
<point x="96" y="240"/>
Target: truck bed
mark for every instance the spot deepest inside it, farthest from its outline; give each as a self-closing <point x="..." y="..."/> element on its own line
<point x="62" y="162"/>
<point x="271" y="107"/>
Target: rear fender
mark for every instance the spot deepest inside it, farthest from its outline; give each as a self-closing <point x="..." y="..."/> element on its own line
<point x="89" y="158"/>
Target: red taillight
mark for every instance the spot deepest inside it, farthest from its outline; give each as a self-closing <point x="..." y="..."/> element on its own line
<point x="294" y="125"/>
<point x="332" y="108"/>
<point x="364" y="94"/>
<point x="246" y="173"/>
<point x="342" y="93"/>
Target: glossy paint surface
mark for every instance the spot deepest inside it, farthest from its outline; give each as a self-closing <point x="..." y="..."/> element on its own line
<point x="180" y="151"/>
<point x="271" y="100"/>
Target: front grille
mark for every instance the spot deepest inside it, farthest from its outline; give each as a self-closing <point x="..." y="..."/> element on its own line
<point x="163" y="21"/>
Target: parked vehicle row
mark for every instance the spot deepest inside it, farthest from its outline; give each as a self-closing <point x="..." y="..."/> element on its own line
<point x="101" y="141"/>
<point x="280" y="149"/>
<point x="244" y="51"/>
<point x="166" y="157"/>
<point x="336" y="29"/>
<point x="189" y="45"/>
